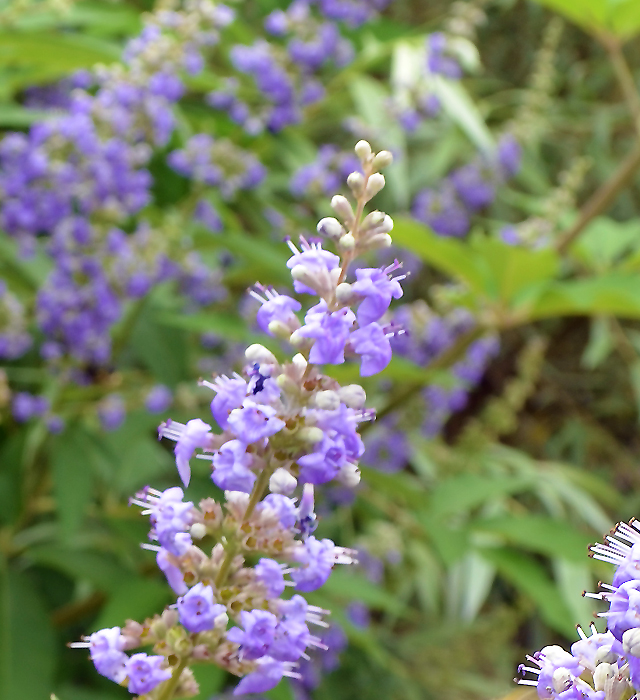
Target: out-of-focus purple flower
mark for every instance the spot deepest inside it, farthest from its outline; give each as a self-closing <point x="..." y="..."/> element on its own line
<point x="158" y="399"/>
<point x="112" y="412"/>
<point x="442" y="211"/>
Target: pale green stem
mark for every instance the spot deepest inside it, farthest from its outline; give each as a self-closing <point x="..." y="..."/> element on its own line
<point x="170" y="686"/>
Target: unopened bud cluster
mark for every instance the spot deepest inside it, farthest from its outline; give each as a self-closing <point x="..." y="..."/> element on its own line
<point x="282" y="429"/>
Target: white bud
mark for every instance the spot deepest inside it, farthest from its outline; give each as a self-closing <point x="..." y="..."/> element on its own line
<point x="631" y="641"/>
<point x="382" y="160"/>
<point x="330" y="227"/>
<point x="341" y="206"/>
<point x="283" y="482"/>
<point x="221" y="621"/>
<point x="363" y="150"/>
<point x="299" y="362"/>
<point x="198" y="531"/>
<point x="385" y="226"/>
<point x="258" y="353"/>
<point x="301" y="273"/>
<point x="372" y="220"/>
<point x="349" y="476"/>
<point x="353" y="395"/>
<point x="561" y="679"/>
<point x="379" y="241"/>
<point x="287" y="384"/>
<point x="343" y="293"/>
<point x="605" y="654"/>
<point x="327" y="400"/>
<point x="347" y="242"/>
<point x="374" y="184"/>
<point x="279" y="329"/>
<point x="310" y="434"/>
<point x="297" y="340"/>
<point x="356" y="183"/>
<point x="602" y="674"/>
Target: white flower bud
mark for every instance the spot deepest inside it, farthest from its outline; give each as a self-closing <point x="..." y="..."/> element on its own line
<point x="353" y="395"/>
<point x="602" y="674"/>
<point x="221" y="621"/>
<point x="605" y="654"/>
<point x="198" y="531"/>
<point x="349" y="476"/>
<point x="301" y="273"/>
<point x="363" y="150"/>
<point x="382" y="160"/>
<point x="374" y="184"/>
<point x="343" y="293"/>
<point x="310" y="434"/>
<point x="283" y="482"/>
<point x="297" y="340"/>
<point x="327" y="400"/>
<point x="258" y="353"/>
<point x="561" y="679"/>
<point x="287" y="384"/>
<point x="631" y="641"/>
<point x="347" y="242"/>
<point x="279" y="329"/>
<point x="379" y="241"/>
<point x="341" y="206"/>
<point x="373" y="220"/>
<point x="299" y="362"/>
<point x="356" y="183"/>
<point x="330" y="227"/>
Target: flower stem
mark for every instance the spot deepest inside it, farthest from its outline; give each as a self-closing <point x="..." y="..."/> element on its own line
<point x="170" y="686"/>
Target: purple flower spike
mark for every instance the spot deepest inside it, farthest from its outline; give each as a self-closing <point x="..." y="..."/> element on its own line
<point x="145" y="673"/>
<point x="373" y="345"/>
<point x="197" y="609"/>
<point x="231" y="467"/>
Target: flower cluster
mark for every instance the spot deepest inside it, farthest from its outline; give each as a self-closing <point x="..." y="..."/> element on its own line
<point x="80" y="176"/>
<point x="288" y="71"/>
<point x="602" y="665"/>
<point x="448" y="208"/>
<point x="282" y="426"/>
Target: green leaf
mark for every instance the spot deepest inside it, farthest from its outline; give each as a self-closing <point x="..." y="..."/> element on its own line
<point x="467" y="491"/>
<point x="531" y="579"/>
<point x="619" y="17"/>
<point x="538" y="533"/>
<point x="462" y="109"/>
<point x="72" y="477"/>
<point x="604" y="241"/>
<point x="614" y="294"/>
<point x="27" y="641"/>
<point x="349" y="586"/>
<point x="600" y="343"/>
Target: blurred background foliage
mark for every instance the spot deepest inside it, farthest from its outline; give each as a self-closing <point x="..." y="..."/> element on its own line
<point x="472" y="532"/>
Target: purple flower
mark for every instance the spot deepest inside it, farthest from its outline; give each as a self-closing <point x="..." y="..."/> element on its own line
<point x="26" y="406"/>
<point x="230" y="393"/>
<point x="290" y="640"/>
<point x="267" y="676"/>
<point x="196" y="433"/>
<point x="112" y="412"/>
<point x="474" y="186"/>
<point x="254" y="421"/>
<point x="207" y="215"/>
<point x="324" y="463"/>
<point x="624" y="608"/>
<point x="254" y="640"/>
<point x="106" y="650"/>
<point x="330" y="330"/>
<point x="311" y="265"/>
<point x="231" y="470"/>
<point x="276" y="307"/>
<point x="170" y="516"/>
<point x="443" y="211"/>
<point x="198" y="610"/>
<point x="284" y="507"/>
<point x="316" y="558"/>
<point x="172" y="573"/>
<point x="158" y="399"/>
<point x="509" y="155"/>
<point x="377" y="288"/>
<point x="145" y="673"/>
<point x="269" y="573"/>
<point x="373" y="345"/>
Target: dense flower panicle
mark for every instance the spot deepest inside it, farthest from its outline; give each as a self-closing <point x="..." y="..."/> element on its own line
<point x="283" y="428"/>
